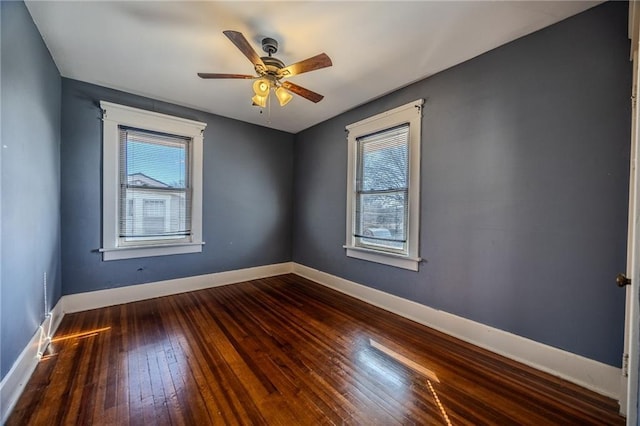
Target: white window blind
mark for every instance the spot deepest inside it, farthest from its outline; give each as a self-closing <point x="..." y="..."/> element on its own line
<point x="382" y="189"/>
<point x="155" y="186"/>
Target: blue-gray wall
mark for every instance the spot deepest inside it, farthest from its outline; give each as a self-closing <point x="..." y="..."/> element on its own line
<point x="525" y="155"/>
<point x="30" y="150"/>
<point x="247" y="201"/>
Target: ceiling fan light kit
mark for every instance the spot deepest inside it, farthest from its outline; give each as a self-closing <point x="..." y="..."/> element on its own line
<point x="263" y="86"/>
<point x="270" y="71"/>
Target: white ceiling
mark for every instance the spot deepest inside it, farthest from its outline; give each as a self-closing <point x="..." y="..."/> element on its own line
<point x="155" y="49"/>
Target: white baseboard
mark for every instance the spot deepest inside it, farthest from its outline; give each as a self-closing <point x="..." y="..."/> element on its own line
<point x="599" y="377"/>
<point x="133" y="293"/>
<point x="15" y="380"/>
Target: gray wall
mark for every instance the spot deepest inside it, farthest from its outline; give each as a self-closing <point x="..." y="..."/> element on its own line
<point x="524" y="186"/>
<point x="247" y="201"/>
<point x="30" y="242"/>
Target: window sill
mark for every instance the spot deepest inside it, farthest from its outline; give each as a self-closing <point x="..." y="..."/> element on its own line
<point x="119" y="253"/>
<point x="391" y="259"/>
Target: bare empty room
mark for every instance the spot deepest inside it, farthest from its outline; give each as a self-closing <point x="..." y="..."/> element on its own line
<point x="318" y="212"/>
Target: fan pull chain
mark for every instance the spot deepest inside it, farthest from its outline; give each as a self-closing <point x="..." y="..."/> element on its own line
<point x="269" y="109"/>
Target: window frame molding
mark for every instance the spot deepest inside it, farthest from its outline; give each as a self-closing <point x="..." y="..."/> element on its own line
<point x="408" y="113"/>
<point x="113" y="116"/>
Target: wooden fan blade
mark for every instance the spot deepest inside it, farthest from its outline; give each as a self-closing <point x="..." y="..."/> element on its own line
<point x="217" y="75"/>
<point x="314" y="63"/>
<point x="301" y="91"/>
<point x="241" y="43"/>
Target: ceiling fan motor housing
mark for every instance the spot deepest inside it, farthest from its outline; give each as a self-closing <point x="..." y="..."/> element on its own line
<point x="272" y="62"/>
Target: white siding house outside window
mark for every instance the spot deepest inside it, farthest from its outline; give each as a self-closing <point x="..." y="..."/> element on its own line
<point x="152" y="183"/>
<point x="383" y="187"/>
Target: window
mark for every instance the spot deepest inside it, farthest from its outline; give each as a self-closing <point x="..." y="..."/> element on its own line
<point x="152" y="183"/>
<point x="383" y="187"/>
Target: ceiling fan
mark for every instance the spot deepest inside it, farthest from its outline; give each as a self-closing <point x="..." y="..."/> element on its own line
<point x="271" y="71"/>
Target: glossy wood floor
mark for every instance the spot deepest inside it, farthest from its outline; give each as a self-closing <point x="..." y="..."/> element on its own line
<point x="283" y="351"/>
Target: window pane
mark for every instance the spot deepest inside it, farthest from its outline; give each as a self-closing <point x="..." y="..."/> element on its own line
<point x="154" y="217"/>
<point x="381" y="193"/>
<point x="383" y="159"/>
<point x="156" y="160"/>
<point x="155" y="191"/>
<point x="382" y="216"/>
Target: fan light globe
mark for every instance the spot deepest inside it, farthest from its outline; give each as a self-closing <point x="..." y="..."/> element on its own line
<point x="261" y="87"/>
<point x="283" y="96"/>
<point x="260" y="101"/>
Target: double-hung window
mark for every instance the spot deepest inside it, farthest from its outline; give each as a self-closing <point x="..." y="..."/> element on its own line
<point x="152" y="183"/>
<point x="383" y="187"/>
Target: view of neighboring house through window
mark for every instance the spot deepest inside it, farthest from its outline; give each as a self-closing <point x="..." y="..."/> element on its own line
<point x="154" y="220"/>
<point x="383" y="191"/>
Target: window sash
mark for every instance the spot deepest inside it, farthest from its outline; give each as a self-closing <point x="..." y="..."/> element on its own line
<point x="135" y="226"/>
<point x="382" y="179"/>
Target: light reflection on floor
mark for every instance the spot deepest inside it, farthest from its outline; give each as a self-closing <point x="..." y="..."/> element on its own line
<point x="395" y="378"/>
<point x="80" y="335"/>
<point x="390" y="377"/>
<point x="50" y="348"/>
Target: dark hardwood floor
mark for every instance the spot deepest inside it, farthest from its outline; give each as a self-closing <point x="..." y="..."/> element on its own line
<point x="283" y="351"/>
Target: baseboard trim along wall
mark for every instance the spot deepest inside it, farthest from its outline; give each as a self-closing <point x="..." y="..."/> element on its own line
<point x="599" y="377"/>
<point x="133" y="293"/>
<point x="15" y="380"/>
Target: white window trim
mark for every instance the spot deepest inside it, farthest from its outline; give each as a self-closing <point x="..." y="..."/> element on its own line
<point x="115" y="115"/>
<point x="409" y="113"/>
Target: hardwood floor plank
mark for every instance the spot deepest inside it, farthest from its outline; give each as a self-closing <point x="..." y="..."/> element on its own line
<point x="192" y="408"/>
<point x="283" y="351"/>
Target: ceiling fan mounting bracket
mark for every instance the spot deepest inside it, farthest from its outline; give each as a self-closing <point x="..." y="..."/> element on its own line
<point x="269" y="45"/>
